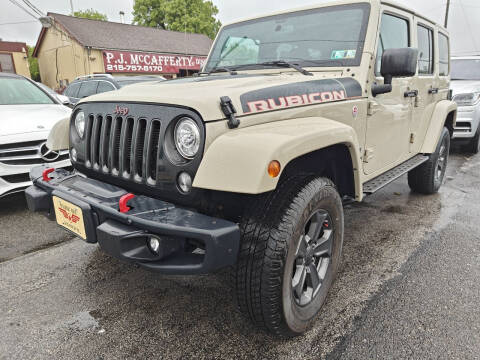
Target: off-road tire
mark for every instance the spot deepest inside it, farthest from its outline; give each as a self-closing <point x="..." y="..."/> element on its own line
<point x="473" y="146"/>
<point x="427" y="178"/>
<point x="271" y="229"/>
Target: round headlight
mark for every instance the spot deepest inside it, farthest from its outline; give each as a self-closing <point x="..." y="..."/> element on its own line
<point x="80" y="123"/>
<point x="187" y="138"/>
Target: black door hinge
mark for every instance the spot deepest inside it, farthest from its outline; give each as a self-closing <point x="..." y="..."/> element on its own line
<point x="229" y="111"/>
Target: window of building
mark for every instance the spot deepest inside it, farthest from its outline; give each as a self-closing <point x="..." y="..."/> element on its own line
<point x="104" y="86"/>
<point x="393" y="35"/>
<point x="444" y="54"/>
<point x="425" y="50"/>
<point x="88" y="88"/>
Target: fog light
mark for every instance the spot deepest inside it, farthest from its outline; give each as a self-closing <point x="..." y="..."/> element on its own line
<point x="154" y="244"/>
<point x="184" y="182"/>
<point x="73" y="154"/>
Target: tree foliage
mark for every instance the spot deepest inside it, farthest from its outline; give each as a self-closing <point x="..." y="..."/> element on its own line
<point x="90" y="14"/>
<point x="193" y="16"/>
<point x="33" y="64"/>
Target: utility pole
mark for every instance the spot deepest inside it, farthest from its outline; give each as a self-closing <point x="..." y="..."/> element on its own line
<point x="446" y="13"/>
<point x="71" y="5"/>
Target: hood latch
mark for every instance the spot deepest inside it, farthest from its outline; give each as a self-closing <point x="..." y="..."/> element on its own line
<point x="229" y="110"/>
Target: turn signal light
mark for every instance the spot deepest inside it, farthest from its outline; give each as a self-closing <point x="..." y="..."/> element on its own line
<point x="274" y="168"/>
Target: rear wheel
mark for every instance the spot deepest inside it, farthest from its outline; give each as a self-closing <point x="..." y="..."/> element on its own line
<point x="291" y="248"/>
<point x="428" y="177"/>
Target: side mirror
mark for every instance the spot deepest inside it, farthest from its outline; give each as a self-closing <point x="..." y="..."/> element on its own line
<point x="396" y="63"/>
<point x="63" y="99"/>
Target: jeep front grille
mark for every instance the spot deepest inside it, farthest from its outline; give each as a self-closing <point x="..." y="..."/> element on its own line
<point x="124" y="146"/>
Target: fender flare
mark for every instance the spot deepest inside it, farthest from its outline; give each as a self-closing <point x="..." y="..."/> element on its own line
<point x="237" y="161"/>
<point x="58" y="138"/>
<point x="437" y="122"/>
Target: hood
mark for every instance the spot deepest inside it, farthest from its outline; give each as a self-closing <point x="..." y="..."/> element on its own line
<point x="16" y="120"/>
<point x="249" y="92"/>
<point x="464" y="86"/>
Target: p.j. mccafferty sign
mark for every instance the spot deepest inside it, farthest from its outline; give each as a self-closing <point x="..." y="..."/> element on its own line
<point x="139" y="62"/>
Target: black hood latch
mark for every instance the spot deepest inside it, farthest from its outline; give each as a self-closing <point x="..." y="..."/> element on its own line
<point x="229" y="110"/>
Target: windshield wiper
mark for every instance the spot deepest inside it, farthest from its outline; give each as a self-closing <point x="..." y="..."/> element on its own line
<point x="287" y="64"/>
<point x="217" y="70"/>
<point x="277" y="63"/>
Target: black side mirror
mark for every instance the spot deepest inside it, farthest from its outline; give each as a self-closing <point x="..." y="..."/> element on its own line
<point x="396" y="63"/>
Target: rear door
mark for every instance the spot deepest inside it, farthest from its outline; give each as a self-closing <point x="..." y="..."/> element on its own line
<point x="88" y="88"/>
<point x="388" y="122"/>
<point x="426" y="83"/>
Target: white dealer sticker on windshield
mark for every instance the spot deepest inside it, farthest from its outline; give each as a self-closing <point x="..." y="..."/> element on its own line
<point x="343" y="54"/>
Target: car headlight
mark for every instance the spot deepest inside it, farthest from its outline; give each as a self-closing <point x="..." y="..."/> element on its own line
<point x="469" y="99"/>
<point x="80" y="123"/>
<point x="187" y="137"/>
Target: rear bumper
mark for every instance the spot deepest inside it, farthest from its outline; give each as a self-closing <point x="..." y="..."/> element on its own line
<point x="190" y="242"/>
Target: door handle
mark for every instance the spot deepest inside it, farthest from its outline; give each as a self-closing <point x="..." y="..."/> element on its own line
<point x="412" y="93"/>
<point x="433" y="91"/>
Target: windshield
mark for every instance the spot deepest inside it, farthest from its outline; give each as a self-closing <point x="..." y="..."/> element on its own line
<point x="329" y="36"/>
<point x="465" y="69"/>
<point x="18" y="91"/>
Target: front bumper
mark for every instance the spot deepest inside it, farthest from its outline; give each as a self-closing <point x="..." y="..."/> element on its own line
<point x="468" y="120"/>
<point x="190" y="243"/>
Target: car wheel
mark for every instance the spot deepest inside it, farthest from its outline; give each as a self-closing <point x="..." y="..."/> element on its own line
<point x="291" y="249"/>
<point x="428" y="177"/>
<point x="474" y="145"/>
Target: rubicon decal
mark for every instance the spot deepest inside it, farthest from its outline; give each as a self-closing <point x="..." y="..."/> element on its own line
<point x="300" y="94"/>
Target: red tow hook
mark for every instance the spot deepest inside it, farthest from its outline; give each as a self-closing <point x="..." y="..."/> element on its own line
<point x="123" y="203"/>
<point x="45" y="174"/>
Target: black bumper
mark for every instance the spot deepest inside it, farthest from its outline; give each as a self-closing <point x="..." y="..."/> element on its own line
<point x="190" y="243"/>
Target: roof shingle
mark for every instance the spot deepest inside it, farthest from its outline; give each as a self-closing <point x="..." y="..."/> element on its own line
<point x="117" y="36"/>
<point x="12" y="46"/>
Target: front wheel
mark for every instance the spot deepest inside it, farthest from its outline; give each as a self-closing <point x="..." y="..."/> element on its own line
<point x="291" y="249"/>
<point x="428" y="177"/>
<point x="474" y="145"/>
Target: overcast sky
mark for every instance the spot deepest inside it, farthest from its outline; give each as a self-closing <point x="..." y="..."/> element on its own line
<point x="464" y="24"/>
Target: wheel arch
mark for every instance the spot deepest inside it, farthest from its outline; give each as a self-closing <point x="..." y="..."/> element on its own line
<point x="444" y="115"/>
<point x="237" y="161"/>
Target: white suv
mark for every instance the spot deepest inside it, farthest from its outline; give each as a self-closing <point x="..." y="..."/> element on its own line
<point x="27" y="113"/>
<point x="465" y="85"/>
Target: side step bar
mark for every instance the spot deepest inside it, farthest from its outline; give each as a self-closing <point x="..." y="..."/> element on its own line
<point x="383" y="180"/>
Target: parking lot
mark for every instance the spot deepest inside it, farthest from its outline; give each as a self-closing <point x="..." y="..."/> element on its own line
<point x="408" y="288"/>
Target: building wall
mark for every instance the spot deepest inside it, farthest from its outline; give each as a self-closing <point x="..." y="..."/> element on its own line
<point x="61" y="59"/>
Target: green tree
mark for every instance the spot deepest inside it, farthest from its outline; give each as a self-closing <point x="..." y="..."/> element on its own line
<point x="33" y="64"/>
<point x="90" y="14"/>
<point x="193" y="16"/>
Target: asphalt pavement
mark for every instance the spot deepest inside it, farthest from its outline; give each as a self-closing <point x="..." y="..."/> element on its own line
<point x="408" y="288"/>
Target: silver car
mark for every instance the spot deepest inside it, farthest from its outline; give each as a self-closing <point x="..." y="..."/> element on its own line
<point x="27" y="113"/>
<point x="465" y="85"/>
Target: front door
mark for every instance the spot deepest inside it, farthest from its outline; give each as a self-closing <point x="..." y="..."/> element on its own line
<point x="388" y="122"/>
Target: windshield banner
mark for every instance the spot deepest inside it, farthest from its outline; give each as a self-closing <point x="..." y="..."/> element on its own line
<point x="138" y="62"/>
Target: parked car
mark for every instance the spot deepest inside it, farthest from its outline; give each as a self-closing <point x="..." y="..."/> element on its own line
<point x="88" y="85"/>
<point x="27" y="114"/>
<point x="465" y="86"/>
<point x="246" y="166"/>
<point x="62" y="98"/>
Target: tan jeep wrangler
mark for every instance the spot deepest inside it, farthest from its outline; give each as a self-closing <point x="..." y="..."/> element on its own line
<point x="247" y="164"/>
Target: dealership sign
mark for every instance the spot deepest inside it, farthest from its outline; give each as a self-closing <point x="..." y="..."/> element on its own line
<point x="138" y="62"/>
